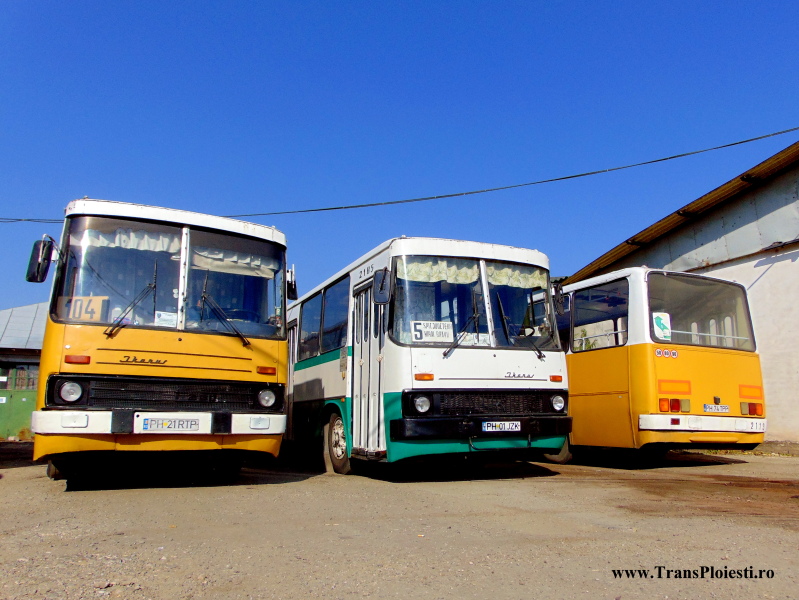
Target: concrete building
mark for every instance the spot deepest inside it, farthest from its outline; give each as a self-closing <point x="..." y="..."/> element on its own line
<point x="747" y="231"/>
<point x="21" y="336"/>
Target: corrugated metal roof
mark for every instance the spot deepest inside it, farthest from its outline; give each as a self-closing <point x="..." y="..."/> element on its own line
<point x="752" y="178"/>
<point x="23" y="327"/>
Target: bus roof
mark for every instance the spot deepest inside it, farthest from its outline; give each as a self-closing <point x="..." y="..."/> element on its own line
<point x="111" y="208"/>
<point x="426" y="246"/>
<point x="627" y="272"/>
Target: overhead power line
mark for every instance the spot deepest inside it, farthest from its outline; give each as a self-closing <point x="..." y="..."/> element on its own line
<point x="473" y="192"/>
<point x="518" y="185"/>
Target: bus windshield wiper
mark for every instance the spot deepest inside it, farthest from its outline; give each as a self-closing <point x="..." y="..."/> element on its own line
<point x="475" y="318"/>
<point x="150" y="288"/>
<point x="217" y="311"/>
<point x="504" y="320"/>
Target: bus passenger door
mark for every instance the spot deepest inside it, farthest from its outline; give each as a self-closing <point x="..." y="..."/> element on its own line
<point x="367" y="407"/>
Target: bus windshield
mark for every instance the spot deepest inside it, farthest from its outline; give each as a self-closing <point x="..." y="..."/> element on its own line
<point x="244" y="277"/>
<point x="126" y="273"/>
<point x="440" y="300"/>
<point x="698" y="312"/>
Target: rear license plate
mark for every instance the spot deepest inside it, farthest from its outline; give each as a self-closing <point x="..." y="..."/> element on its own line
<point x="717" y="408"/>
<point x="493" y="426"/>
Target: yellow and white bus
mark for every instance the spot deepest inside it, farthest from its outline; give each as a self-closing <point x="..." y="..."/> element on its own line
<point x="661" y="360"/>
<point x="166" y="332"/>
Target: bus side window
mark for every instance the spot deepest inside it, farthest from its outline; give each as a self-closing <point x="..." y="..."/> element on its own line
<point x="337" y="308"/>
<point x="310" y="321"/>
<point x="600" y="316"/>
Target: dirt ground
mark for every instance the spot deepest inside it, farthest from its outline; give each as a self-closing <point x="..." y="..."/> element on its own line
<point x="439" y="529"/>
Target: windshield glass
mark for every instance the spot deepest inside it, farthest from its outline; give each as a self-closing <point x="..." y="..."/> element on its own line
<point x="127" y="273"/>
<point x="242" y="276"/>
<point x="437" y="300"/>
<point x="109" y="263"/>
<point x="521" y="306"/>
<point x="699" y="312"/>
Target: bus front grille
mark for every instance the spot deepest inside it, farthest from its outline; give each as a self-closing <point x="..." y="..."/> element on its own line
<point x="164" y="394"/>
<point x="493" y="403"/>
<point x="170" y="396"/>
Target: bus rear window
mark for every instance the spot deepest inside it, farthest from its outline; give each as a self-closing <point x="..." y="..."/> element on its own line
<point x="698" y="312"/>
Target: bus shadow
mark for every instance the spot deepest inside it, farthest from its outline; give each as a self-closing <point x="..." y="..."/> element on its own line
<point x="615" y="458"/>
<point x="123" y="473"/>
<point x="16" y="454"/>
<point x="450" y="469"/>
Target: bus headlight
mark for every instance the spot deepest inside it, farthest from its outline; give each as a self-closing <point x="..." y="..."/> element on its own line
<point x="422" y="404"/>
<point x="558" y="403"/>
<point x="70" y="391"/>
<point x="266" y="398"/>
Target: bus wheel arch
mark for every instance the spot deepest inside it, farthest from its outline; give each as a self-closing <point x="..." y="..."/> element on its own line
<point x="337" y="459"/>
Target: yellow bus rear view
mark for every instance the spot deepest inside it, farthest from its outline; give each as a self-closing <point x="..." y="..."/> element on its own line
<point x="165" y="333"/>
<point x="661" y="360"/>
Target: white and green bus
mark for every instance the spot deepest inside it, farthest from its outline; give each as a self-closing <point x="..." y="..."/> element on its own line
<point x="428" y="346"/>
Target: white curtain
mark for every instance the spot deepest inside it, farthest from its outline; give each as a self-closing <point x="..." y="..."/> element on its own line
<point x="237" y="263"/>
<point x="516" y="276"/>
<point x="430" y="269"/>
<point x="153" y="241"/>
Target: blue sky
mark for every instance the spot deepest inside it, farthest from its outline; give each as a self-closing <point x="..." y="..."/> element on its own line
<point x="242" y="107"/>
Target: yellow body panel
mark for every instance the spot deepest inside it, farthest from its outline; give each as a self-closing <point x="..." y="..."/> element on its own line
<point x="46" y="445"/>
<point x="611" y="387"/>
<point x="157" y="353"/>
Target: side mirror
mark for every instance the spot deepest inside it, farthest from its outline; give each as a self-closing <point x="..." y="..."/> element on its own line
<point x="39" y="263"/>
<point x="559" y="300"/>
<point x="381" y="286"/>
<point x="291" y="284"/>
<point x="291" y="290"/>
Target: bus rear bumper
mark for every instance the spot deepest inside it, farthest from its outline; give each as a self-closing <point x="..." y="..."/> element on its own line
<point x="440" y="428"/>
<point x="699" y="424"/>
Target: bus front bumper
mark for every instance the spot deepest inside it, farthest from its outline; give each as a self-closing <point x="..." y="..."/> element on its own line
<point x="438" y="428"/>
<point x="101" y="422"/>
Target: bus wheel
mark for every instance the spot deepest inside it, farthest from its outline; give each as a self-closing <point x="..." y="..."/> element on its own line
<point x="562" y="457"/>
<point x="336" y="459"/>
<point x="53" y="472"/>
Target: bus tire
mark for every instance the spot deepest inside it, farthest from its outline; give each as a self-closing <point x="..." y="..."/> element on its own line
<point x="562" y="457"/>
<point x="53" y="472"/>
<point x="335" y="452"/>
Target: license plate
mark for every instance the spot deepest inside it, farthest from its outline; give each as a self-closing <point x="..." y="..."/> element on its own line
<point x="172" y="423"/>
<point x="492" y="426"/>
<point x="717" y="408"/>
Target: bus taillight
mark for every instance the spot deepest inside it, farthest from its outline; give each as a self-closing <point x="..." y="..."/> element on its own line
<point x="754" y="409"/>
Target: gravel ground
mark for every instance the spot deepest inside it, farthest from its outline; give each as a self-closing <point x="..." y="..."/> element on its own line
<point x="438" y="529"/>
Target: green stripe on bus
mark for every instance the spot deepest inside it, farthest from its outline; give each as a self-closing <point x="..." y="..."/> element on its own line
<point x="321" y="359"/>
